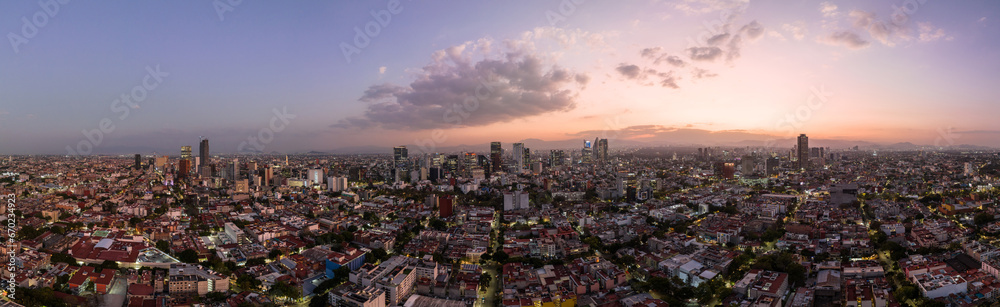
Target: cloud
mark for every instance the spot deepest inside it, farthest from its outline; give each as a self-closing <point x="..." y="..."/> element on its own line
<point x="928" y="33"/>
<point x="629" y="71"/>
<point x="456" y="90"/>
<point x="381" y="70"/>
<point x="636" y="73"/>
<point x="845" y="38"/>
<point x="753" y="30"/>
<point x="777" y="35"/>
<point x="718" y="39"/>
<point x="828" y="9"/>
<point x="704" y="53"/>
<point x="695" y="7"/>
<point x="797" y="30"/>
<point x="982" y="20"/>
<point x="702" y="73"/>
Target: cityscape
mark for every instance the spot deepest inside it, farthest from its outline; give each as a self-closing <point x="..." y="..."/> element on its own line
<point x="544" y="154"/>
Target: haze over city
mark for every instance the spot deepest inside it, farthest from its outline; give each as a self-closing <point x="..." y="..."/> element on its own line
<point x="681" y="72"/>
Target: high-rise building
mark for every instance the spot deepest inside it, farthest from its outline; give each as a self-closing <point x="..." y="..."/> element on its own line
<point x="771" y="165"/>
<point x="138" y="161"/>
<point x="184" y="165"/>
<point x="400" y="159"/>
<point x="203" y="153"/>
<point x="601" y="150"/>
<point x="444" y="206"/>
<point x="556" y="157"/>
<point x="803" y="151"/>
<point x="315" y="177"/>
<point x="587" y="154"/>
<point x="496" y="157"/>
<point x="518" y="155"/>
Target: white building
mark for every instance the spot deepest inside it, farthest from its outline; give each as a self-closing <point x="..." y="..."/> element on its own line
<point x="515" y="200"/>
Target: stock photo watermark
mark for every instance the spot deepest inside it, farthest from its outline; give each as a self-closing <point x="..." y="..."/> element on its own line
<point x="794" y="120"/>
<point x="946" y="137"/>
<point x="363" y="37"/>
<point x="128" y="100"/>
<point x="225" y="6"/>
<point x="457" y="114"/>
<point x="31" y="26"/>
<point x="566" y="9"/>
<point x="11" y="204"/>
<point x="256" y="143"/>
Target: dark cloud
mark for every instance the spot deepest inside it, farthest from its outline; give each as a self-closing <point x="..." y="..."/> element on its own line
<point x="847" y="39"/>
<point x="630" y="71"/>
<point x="651" y="53"/>
<point x="709" y="54"/>
<point x="634" y="72"/>
<point x="453" y="91"/>
<point x="717" y="39"/>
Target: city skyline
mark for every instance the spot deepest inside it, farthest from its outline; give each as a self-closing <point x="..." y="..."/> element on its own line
<point x="712" y="73"/>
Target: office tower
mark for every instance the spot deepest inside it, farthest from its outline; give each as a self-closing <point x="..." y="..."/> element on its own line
<point x="235" y="169"/>
<point x="518" y="155"/>
<point x="451" y="165"/>
<point x="268" y="175"/>
<point x="496" y="154"/>
<point x="471" y="160"/>
<point x="526" y="160"/>
<point x="771" y="165"/>
<point x="556" y="157"/>
<point x="601" y="150"/>
<point x="184" y="165"/>
<point x="203" y="153"/>
<point x="160" y="162"/>
<point x="748" y="165"/>
<point x="400" y="160"/>
<point x="138" y="161"/>
<point x="803" y="151"/>
<point x="587" y="154"/>
<point x="252" y="166"/>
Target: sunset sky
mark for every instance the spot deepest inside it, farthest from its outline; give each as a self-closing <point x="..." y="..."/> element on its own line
<point x="471" y="72"/>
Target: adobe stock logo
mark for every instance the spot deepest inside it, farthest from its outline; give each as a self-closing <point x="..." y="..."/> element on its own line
<point x="363" y="38"/>
<point x="30" y="27"/>
<point x="94" y="137"/>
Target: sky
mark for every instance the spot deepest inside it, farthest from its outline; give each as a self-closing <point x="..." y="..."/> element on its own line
<point x="85" y="77"/>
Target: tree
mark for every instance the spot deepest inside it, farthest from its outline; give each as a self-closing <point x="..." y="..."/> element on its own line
<point x="163" y="246"/>
<point x="246" y="282"/>
<point x="188" y="256"/>
<point x="283" y="289"/>
<point x="983" y="218"/>
<point x="274" y="254"/>
<point x="320" y="300"/>
<point x="500" y="256"/>
<point x="377" y="255"/>
<point x="485" y="279"/>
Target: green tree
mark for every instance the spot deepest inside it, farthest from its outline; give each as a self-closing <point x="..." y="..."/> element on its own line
<point x="188" y="256"/>
<point x="163" y="246"/>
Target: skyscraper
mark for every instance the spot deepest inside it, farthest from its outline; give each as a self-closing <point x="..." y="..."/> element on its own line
<point x="203" y="153"/>
<point x="587" y="154"/>
<point x="184" y="165"/>
<point x="400" y="159"/>
<point x="496" y="153"/>
<point x="803" y="153"/>
<point x="518" y="154"/>
<point x="138" y="161"/>
<point x="601" y="150"/>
